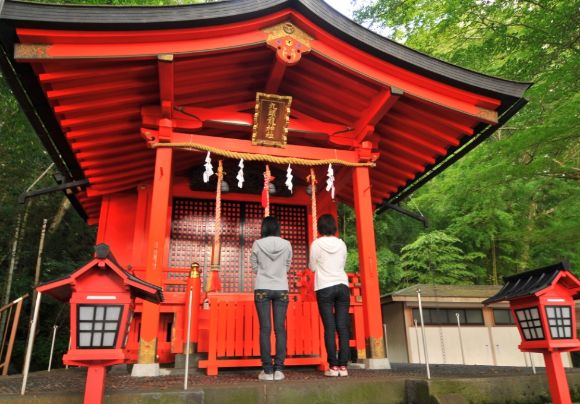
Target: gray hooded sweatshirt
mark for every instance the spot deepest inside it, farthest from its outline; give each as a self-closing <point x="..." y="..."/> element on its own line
<point x="271" y="258"/>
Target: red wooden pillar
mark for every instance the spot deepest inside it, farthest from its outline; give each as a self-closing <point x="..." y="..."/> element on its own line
<point x="95" y="384"/>
<point x="156" y="246"/>
<point x="557" y="378"/>
<point x="368" y="261"/>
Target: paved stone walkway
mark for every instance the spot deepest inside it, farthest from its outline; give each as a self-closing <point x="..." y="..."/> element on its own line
<point x="72" y="380"/>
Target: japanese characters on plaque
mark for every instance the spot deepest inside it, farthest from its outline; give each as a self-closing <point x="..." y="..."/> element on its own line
<point x="271" y="120"/>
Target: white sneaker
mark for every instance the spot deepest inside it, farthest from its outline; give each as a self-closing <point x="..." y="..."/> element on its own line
<point x="342" y="372"/>
<point x="332" y="372"/>
<point x="265" y="376"/>
<point x="279" y="375"/>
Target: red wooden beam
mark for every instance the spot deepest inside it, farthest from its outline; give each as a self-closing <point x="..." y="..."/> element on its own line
<point x="390" y="144"/>
<point x="96" y="120"/>
<point x="116" y="102"/>
<point x="377" y="109"/>
<point x="438" y="120"/>
<point x="59" y="76"/>
<point x="276" y="75"/>
<point x="108" y="169"/>
<point x="166" y="84"/>
<point x="245" y="146"/>
<point x="386" y="178"/>
<point x="412" y="125"/>
<point x="129" y="175"/>
<point x="125" y="151"/>
<point x="105" y="88"/>
<point x="420" y="87"/>
<point x="412" y="166"/>
<point x="148" y="48"/>
<point x="107" y="161"/>
<point x="191" y="118"/>
<point x="98" y="131"/>
<point x="414" y="139"/>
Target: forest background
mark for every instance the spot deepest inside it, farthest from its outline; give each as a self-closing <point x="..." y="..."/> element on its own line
<point x="510" y="205"/>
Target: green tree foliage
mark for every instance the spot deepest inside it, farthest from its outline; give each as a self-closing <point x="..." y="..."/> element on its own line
<point x="515" y="200"/>
<point x="434" y="258"/>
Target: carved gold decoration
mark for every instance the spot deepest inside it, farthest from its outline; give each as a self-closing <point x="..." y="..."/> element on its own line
<point x="271" y="119"/>
<point x="361" y="353"/>
<point x="195" y="272"/>
<point x="147" y="351"/>
<point x="289" y="41"/>
<point x="487" y="114"/>
<point x="25" y="51"/>
<point x="377" y="346"/>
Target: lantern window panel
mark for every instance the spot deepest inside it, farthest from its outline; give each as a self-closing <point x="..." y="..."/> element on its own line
<point x="530" y="323"/>
<point x="98" y="326"/>
<point x="559" y="321"/>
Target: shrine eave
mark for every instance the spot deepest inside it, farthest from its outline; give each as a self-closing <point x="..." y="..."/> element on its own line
<point x="209" y="14"/>
<point x="87" y="79"/>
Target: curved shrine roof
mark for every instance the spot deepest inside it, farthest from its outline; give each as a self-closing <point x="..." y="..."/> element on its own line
<point x="89" y="80"/>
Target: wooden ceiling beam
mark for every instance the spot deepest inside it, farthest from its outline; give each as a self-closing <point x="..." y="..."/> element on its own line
<point x="418" y="86"/>
<point x="444" y="124"/>
<point x="121" y="175"/>
<point x="102" y="143"/>
<point x="144" y="155"/>
<point x="107" y="130"/>
<point x="98" y="120"/>
<point x="411" y="125"/>
<point x="246" y="146"/>
<point x="166" y="69"/>
<point x="276" y="76"/>
<point x="59" y="76"/>
<point x="389" y="156"/>
<point x="110" y="169"/>
<point x="147" y="48"/>
<point x="105" y="88"/>
<point x="390" y="144"/>
<point x="415" y="140"/>
<point x="377" y="109"/>
<point x="385" y="177"/>
<point x="392" y="169"/>
<point x="191" y="118"/>
<point x="116" y="103"/>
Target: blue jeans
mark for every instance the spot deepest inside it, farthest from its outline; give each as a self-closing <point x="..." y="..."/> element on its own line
<point x="266" y="299"/>
<point x="333" y="304"/>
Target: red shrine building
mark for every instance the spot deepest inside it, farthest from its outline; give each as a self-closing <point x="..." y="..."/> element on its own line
<point x="133" y="105"/>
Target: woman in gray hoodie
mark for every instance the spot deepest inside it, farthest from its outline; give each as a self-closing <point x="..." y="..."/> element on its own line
<point x="271" y="257"/>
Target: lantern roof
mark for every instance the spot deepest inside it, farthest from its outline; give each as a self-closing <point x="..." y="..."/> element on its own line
<point x="91" y="79"/>
<point x="62" y="289"/>
<point x="531" y="282"/>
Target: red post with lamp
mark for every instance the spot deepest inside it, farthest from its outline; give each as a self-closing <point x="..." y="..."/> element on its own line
<point x="542" y="304"/>
<point x="101" y="295"/>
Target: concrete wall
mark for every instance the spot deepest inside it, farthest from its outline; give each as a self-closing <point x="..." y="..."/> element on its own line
<point x="496" y="346"/>
<point x="393" y="317"/>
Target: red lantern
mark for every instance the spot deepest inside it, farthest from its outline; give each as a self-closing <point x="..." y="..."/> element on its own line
<point x="101" y="296"/>
<point x="542" y="303"/>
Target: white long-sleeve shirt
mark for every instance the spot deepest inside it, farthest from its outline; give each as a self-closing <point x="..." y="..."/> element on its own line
<point x="327" y="259"/>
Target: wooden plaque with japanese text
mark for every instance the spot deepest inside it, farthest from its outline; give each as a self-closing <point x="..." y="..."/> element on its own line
<point x="271" y="120"/>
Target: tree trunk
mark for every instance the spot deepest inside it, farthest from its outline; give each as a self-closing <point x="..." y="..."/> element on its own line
<point x="62" y="209"/>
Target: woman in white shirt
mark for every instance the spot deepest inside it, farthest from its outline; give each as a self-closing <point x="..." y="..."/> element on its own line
<point x="327" y="259"/>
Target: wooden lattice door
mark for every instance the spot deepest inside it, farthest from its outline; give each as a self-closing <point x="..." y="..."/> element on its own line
<point x="192" y="236"/>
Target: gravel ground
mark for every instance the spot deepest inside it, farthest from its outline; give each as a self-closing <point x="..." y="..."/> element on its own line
<point x="72" y="380"/>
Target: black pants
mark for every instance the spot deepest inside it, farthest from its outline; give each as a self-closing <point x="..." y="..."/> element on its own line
<point x="333" y="304"/>
<point x="275" y="301"/>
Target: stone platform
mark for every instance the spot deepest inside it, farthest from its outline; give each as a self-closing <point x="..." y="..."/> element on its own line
<point x="401" y="384"/>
